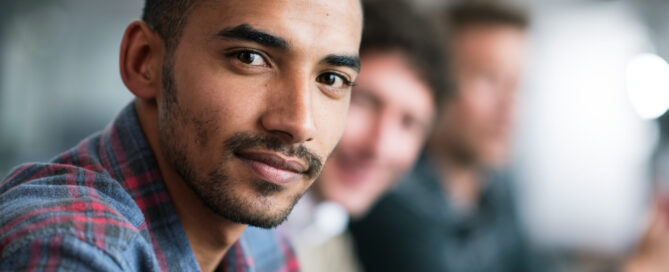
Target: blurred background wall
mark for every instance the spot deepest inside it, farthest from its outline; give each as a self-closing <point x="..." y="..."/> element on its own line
<point x="583" y="146"/>
<point x="59" y="78"/>
<point x="590" y="120"/>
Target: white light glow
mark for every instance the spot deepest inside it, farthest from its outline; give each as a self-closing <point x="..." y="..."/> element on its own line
<point x="647" y="81"/>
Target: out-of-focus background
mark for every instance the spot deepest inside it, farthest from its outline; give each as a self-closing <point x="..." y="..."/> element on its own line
<point x="591" y="122"/>
<point x="59" y="74"/>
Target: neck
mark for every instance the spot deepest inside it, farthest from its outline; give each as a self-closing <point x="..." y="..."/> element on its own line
<point x="209" y="234"/>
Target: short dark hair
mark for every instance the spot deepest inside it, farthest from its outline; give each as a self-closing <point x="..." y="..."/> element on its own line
<point x="395" y="26"/>
<point x="168" y="18"/>
<point x="473" y="12"/>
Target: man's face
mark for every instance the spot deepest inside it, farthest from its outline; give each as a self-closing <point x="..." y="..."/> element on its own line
<point x="254" y="100"/>
<point x="487" y="63"/>
<point x="390" y="115"/>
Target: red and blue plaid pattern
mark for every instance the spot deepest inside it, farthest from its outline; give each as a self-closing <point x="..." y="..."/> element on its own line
<point x="102" y="206"/>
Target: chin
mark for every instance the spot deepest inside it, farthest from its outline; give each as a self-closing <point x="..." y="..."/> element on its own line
<point x="259" y="214"/>
<point x="247" y="201"/>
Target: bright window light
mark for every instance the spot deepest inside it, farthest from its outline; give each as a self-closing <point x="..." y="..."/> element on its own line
<point x="647" y="81"/>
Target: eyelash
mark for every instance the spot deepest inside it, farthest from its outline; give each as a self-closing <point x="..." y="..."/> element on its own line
<point x="235" y="53"/>
<point x="347" y="82"/>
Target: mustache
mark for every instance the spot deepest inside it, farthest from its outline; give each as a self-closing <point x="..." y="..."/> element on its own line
<point x="243" y="141"/>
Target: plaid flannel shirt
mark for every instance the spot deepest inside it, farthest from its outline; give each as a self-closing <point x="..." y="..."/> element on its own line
<point x="103" y="206"/>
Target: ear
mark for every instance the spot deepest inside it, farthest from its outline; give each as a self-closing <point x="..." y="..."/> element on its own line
<point x="141" y="60"/>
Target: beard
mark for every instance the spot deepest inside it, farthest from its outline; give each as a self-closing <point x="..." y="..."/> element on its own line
<point x="217" y="190"/>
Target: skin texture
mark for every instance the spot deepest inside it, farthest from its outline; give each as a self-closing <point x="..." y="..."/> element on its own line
<point x="391" y="113"/>
<point x="225" y="104"/>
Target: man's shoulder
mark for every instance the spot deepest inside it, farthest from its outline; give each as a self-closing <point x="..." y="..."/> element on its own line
<point x="408" y="200"/>
<point x="54" y="204"/>
<point x="419" y="194"/>
<point x="42" y="185"/>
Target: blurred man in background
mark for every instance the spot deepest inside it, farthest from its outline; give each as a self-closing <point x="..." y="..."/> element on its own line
<point x="393" y="107"/>
<point x="455" y="212"/>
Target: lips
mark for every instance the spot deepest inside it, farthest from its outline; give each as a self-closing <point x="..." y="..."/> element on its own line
<point x="272" y="168"/>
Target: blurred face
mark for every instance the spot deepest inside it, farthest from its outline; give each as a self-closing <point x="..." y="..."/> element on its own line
<point x="390" y="115"/>
<point x="255" y="98"/>
<point x="487" y="62"/>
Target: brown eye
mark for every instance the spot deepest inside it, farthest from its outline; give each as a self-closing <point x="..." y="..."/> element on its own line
<point x="333" y="80"/>
<point x="251" y="58"/>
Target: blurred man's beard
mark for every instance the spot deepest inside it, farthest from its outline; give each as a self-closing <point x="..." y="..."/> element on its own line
<point x="216" y="189"/>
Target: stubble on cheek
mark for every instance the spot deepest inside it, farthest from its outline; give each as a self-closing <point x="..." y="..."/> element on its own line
<point x="205" y="127"/>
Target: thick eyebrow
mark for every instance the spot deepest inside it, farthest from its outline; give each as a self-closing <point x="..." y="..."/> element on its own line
<point x="246" y="32"/>
<point x="352" y="62"/>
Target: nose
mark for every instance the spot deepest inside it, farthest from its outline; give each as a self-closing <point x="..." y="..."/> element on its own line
<point x="387" y="134"/>
<point x="289" y="113"/>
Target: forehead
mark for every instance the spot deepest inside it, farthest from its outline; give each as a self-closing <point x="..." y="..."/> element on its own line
<point x="332" y="25"/>
<point x="390" y="78"/>
<point x="490" y="42"/>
